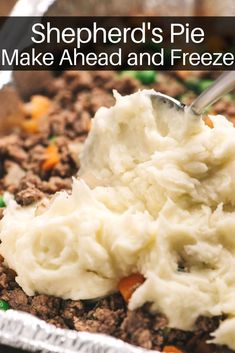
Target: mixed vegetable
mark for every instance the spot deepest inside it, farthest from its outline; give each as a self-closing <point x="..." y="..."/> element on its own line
<point x="4" y="306"/>
<point x="51" y="156"/>
<point x="35" y="110"/>
<point x="171" y="349"/>
<point x="128" y="285"/>
<point x="2" y="202"/>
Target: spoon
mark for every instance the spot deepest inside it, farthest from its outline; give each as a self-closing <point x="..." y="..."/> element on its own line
<point x="224" y="84"/>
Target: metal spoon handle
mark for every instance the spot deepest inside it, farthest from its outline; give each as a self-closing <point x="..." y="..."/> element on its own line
<point x="224" y="84"/>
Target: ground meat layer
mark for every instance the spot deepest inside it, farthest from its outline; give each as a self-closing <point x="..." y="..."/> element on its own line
<point x="109" y="315"/>
<point x="75" y="97"/>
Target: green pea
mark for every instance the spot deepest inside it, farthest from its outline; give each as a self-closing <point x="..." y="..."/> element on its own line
<point x="128" y="73"/>
<point x="193" y="83"/>
<point x="52" y="138"/>
<point x="2" y="202"/>
<point x="147" y="76"/>
<point x="4" y="305"/>
<point x="204" y="84"/>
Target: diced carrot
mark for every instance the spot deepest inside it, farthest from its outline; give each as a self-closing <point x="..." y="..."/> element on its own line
<point x="36" y="109"/>
<point x="31" y="126"/>
<point x="171" y="349"/>
<point x="38" y="106"/>
<point x="52" y="157"/>
<point x="129" y="284"/>
<point x="209" y="122"/>
<point x="183" y="74"/>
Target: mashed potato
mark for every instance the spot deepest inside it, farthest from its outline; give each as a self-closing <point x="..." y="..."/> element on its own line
<point x="154" y="191"/>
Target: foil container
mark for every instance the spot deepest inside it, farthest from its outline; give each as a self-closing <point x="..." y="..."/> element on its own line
<point x="22" y="330"/>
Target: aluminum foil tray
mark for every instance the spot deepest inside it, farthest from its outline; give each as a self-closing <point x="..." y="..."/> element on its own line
<point x="24" y="331"/>
<point x="18" y="329"/>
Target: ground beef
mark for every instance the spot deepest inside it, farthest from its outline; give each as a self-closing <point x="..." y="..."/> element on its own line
<point x="75" y="97"/>
<point x="28" y="196"/>
<point x="110" y="316"/>
<point x="168" y="85"/>
<point x="45" y="307"/>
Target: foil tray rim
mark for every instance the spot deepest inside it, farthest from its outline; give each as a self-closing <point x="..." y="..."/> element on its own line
<point x="24" y="331"/>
